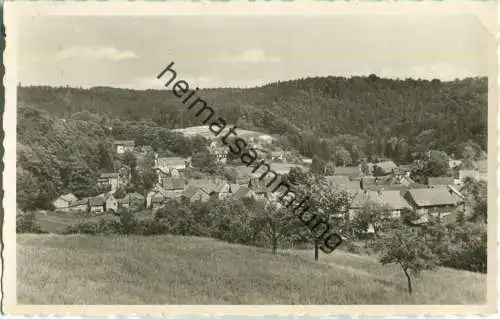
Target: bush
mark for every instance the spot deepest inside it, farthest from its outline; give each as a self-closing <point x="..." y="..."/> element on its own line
<point x="26" y="223"/>
<point x="89" y="228"/>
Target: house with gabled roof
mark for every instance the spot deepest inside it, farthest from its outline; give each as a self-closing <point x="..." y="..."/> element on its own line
<point x="124" y="146"/>
<point x="213" y="187"/>
<point x="81" y="205"/>
<point x="194" y="193"/>
<point x="244" y="192"/>
<point x="384" y="168"/>
<point x="97" y="204"/>
<point x="63" y="202"/>
<point x="176" y="184"/>
<point x="388" y="198"/>
<point x="432" y="201"/>
<point x="177" y="163"/>
<point x="159" y="191"/>
<point x="132" y="200"/>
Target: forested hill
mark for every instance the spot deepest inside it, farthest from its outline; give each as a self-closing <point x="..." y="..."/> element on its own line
<point x="432" y="114"/>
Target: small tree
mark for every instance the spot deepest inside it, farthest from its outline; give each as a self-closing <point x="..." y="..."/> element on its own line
<point x="325" y="210"/>
<point x="372" y="215"/>
<point x="277" y="225"/>
<point x="406" y="247"/>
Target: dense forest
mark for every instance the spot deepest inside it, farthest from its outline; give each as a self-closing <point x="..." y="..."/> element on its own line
<point x="65" y="134"/>
<point x="371" y="108"/>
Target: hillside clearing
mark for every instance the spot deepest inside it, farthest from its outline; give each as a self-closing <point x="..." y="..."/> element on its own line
<point x="54" y="269"/>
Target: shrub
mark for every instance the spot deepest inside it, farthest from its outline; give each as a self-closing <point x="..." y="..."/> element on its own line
<point x="26" y="223"/>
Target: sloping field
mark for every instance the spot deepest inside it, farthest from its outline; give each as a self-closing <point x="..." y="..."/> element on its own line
<point x="204" y="131"/>
<point x="54" y="269"/>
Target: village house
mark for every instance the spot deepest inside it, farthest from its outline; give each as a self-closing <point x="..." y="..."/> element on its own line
<point x="110" y="203"/>
<point x="391" y="199"/>
<point x="109" y="179"/>
<point x="352" y="187"/>
<point x="171" y="166"/>
<point x="452" y="163"/>
<point x="277" y="156"/>
<point x="157" y="202"/>
<point x="233" y="188"/>
<point x="194" y="193"/>
<point x="440" y="181"/>
<point x="432" y="201"/>
<point x="81" y="205"/>
<point x="244" y="192"/>
<point x="220" y="151"/>
<point x="124" y="146"/>
<point x="384" y="168"/>
<point x="467" y="173"/>
<point x="132" y="200"/>
<point x="159" y="191"/>
<point x="103" y="203"/>
<point x="212" y="187"/>
<point x="97" y="204"/>
<point x="175" y="184"/>
<point x="63" y="202"/>
<point x="242" y="174"/>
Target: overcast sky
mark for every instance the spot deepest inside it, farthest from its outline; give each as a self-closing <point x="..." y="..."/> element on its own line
<point x="246" y="51"/>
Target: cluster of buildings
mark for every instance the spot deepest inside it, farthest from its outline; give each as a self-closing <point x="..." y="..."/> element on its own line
<point x="395" y="189"/>
<point x="383" y="183"/>
<point x="104" y="203"/>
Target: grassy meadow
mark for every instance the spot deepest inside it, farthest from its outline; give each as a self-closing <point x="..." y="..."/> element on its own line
<point x="81" y="269"/>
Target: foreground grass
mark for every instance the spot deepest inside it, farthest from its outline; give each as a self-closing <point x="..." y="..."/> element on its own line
<point x="79" y="269"/>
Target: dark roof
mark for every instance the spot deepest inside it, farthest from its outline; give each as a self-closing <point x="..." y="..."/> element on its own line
<point x="425" y="197"/>
<point x="344" y="183"/>
<point x="109" y="175"/>
<point x="208" y="185"/>
<point x="244" y="191"/>
<point x="190" y="191"/>
<point x="440" y="181"/>
<point x="386" y="166"/>
<point x="391" y="198"/>
<point x="125" y="143"/>
<point x="96" y="201"/>
<point x="352" y="171"/>
<point x="173" y="183"/>
<point x="83" y="201"/>
<point x="135" y="197"/>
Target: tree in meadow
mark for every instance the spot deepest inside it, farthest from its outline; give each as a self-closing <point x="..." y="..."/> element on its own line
<point x="324" y="211"/>
<point x="405" y="247"/>
<point x="277" y="225"/>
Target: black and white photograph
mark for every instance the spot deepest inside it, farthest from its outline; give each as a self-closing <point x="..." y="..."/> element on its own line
<point x="216" y="154"/>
